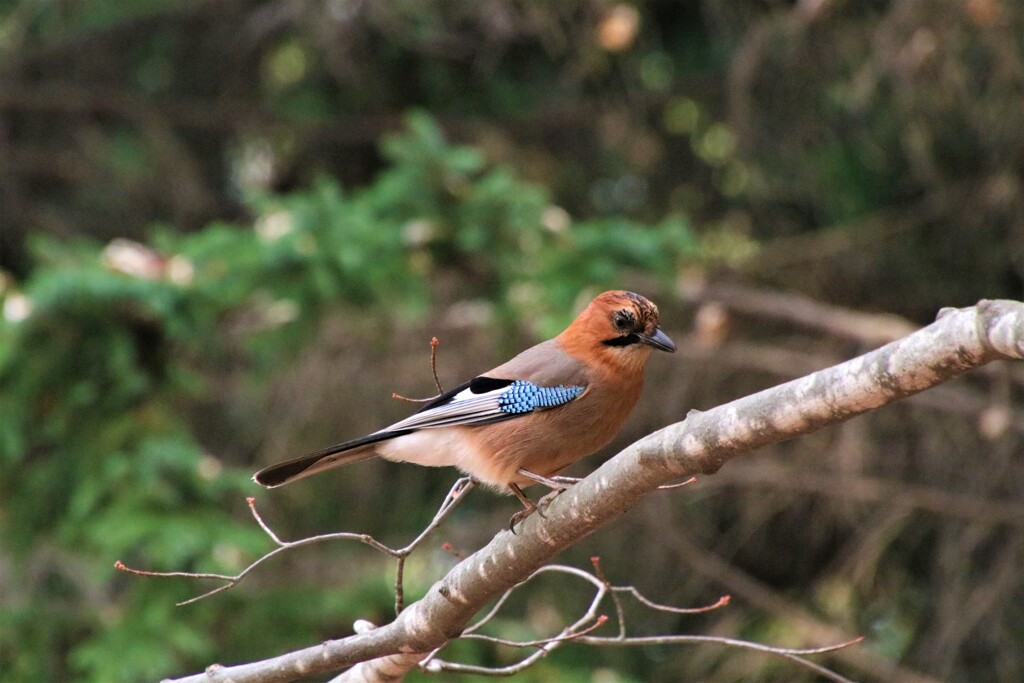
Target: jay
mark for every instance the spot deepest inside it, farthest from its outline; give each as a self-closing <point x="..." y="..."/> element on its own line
<point x="526" y="420"/>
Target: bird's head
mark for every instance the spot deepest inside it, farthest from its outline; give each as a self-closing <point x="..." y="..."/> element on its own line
<point x="619" y="328"/>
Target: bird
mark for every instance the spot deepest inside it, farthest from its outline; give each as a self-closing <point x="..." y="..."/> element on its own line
<point x="526" y="420"/>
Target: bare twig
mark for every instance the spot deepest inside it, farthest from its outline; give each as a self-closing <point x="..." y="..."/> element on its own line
<point x="233" y="580"/>
<point x="190" y="575"/>
<point x="559" y="568"/>
<point x="580" y="633"/>
<point x="619" y="612"/>
<point x="561" y="638"/>
<point x="721" y="602"/>
<point x="259" y="520"/>
<point x="459" y="489"/>
<point x="678" y="484"/>
<point x="393" y="667"/>
<point x="454" y="497"/>
<point x="794" y="655"/>
<point x="434" y="343"/>
<point x="431" y="664"/>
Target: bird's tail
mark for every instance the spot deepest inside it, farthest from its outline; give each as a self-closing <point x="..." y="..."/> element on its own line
<point x="333" y="456"/>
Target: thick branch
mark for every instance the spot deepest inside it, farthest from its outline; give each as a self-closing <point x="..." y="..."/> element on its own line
<point x="958" y="341"/>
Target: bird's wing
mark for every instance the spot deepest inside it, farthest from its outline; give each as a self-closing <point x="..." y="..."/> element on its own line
<point x="485" y="400"/>
<point x="540" y="378"/>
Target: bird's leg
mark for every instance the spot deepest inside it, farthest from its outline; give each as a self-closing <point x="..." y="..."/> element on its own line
<point x="556" y="484"/>
<point x="528" y="507"/>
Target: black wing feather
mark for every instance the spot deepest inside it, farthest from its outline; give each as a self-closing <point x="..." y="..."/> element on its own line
<point x="283" y="472"/>
<point x="478" y="385"/>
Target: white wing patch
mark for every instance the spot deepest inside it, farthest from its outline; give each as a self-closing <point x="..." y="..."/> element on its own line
<point x="469" y="408"/>
<point x="465" y="408"/>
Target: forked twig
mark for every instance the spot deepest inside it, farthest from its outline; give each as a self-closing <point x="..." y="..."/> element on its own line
<point x="455" y="495"/>
<point x="590" y="621"/>
<point x="459" y="489"/>
<point x="572" y="635"/>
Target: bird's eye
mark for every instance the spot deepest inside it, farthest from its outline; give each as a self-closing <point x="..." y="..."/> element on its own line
<point x="623" y="320"/>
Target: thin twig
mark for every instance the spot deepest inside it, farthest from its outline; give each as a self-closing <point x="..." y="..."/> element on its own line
<point x="577" y="632"/>
<point x="619" y="612"/>
<point x="721" y="602"/>
<point x="678" y="484"/>
<point x="561" y="568"/>
<point x="455" y="495"/>
<point x="437" y="666"/>
<point x="429" y="663"/>
<point x="795" y="655"/>
<point x="732" y="642"/>
<point x="459" y="489"/>
<point x="191" y="575"/>
<point x="259" y="520"/>
<point x="601" y="620"/>
<point x="282" y="546"/>
<point x="434" y="343"/>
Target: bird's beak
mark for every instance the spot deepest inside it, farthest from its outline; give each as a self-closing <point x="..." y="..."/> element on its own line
<point x="658" y="340"/>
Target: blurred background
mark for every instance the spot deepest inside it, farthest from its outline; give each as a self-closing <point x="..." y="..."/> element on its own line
<point x="229" y="229"/>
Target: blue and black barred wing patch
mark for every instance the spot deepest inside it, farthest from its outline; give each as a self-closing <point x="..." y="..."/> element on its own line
<point x="486" y="400"/>
<point x="526" y="397"/>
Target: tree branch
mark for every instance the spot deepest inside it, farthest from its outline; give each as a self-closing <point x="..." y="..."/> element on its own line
<point x="960" y="340"/>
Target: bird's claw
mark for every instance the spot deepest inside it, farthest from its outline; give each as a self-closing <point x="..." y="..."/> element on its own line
<point x="529" y="507"/>
<point x="546" y="499"/>
<point x="537" y="507"/>
<point x="519" y="517"/>
<point x="524" y="513"/>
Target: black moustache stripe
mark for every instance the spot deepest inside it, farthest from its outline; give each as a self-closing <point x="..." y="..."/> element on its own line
<point x="622" y="341"/>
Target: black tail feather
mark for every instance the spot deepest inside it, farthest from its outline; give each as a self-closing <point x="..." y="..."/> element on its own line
<point x="337" y="455"/>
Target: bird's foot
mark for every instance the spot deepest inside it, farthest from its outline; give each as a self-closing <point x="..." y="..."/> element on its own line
<point x="529" y="507"/>
<point x="546" y="499"/>
<point x="521" y="516"/>
<point x="557" y="485"/>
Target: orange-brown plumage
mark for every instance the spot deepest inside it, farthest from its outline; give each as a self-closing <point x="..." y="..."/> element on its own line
<point x="583" y="384"/>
